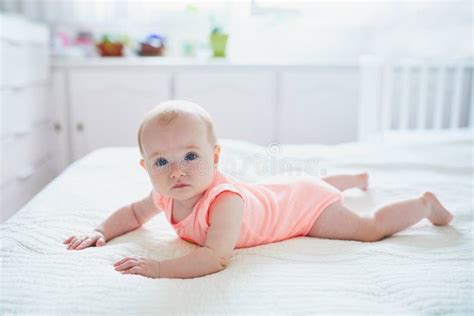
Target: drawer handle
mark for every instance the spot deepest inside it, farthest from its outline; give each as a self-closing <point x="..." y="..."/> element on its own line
<point x="57" y="127"/>
<point x="80" y="127"/>
<point x="13" y="42"/>
<point x="21" y="132"/>
<point x="16" y="89"/>
<point x="25" y="174"/>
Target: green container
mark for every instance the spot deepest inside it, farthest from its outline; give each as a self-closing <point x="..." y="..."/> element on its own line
<point x="218" y="43"/>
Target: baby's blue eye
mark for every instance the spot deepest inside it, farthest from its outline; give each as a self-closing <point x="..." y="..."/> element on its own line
<point x="161" y="162"/>
<point x="190" y="156"/>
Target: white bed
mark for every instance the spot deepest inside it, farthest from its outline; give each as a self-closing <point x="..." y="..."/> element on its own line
<point x="424" y="269"/>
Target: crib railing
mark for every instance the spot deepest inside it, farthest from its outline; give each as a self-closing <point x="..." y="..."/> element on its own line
<point x="414" y="94"/>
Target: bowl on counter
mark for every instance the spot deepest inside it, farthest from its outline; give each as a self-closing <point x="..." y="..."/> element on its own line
<point x="110" y="49"/>
<point x="150" y="50"/>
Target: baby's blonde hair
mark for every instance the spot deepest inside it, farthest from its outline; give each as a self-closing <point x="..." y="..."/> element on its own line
<point x="167" y="111"/>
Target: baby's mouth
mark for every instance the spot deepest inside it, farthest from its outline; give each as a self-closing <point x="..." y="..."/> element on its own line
<point x="180" y="186"/>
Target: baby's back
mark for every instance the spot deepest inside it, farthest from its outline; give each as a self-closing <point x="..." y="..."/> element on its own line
<point x="282" y="207"/>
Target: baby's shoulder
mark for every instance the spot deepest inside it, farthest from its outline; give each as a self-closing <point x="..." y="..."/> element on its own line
<point x="225" y="207"/>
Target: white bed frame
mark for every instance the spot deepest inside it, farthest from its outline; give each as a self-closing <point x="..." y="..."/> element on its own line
<point x="396" y="95"/>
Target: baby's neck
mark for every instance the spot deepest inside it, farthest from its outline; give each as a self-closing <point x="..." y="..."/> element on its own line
<point x="188" y="204"/>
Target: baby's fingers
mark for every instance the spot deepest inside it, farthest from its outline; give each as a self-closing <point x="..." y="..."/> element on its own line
<point x="126" y="265"/>
<point x="68" y="240"/>
<point x="100" y="242"/>
<point x="71" y="242"/>
<point x="85" y="243"/>
<point x="123" y="260"/>
<point x="76" y="243"/>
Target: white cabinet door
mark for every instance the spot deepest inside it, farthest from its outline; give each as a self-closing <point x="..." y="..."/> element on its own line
<point x="241" y="103"/>
<point x="318" y="106"/>
<point x="107" y="105"/>
<point x="59" y="118"/>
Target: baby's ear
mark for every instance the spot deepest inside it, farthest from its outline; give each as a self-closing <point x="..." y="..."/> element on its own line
<point x="142" y="163"/>
<point x="217" y="152"/>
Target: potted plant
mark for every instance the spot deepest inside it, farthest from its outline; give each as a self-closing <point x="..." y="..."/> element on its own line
<point x="108" y="48"/>
<point x="218" y="41"/>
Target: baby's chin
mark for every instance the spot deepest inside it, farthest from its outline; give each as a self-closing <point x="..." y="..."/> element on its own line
<point x="185" y="193"/>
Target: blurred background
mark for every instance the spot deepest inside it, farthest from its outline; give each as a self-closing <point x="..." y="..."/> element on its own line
<point x="78" y="75"/>
<point x="266" y="31"/>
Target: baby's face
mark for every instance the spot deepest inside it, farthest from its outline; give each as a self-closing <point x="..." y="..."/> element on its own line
<point x="179" y="152"/>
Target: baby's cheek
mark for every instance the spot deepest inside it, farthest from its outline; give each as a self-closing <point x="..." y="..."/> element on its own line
<point x="202" y="167"/>
<point x="158" y="184"/>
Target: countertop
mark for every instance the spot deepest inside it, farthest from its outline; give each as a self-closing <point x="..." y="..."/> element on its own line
<point x="188" y="62"/>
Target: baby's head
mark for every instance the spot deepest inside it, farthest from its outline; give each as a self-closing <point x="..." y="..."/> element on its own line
<point x="178" y="145"/>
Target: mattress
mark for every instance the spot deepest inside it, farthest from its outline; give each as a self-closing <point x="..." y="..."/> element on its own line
<point x="423" y="269"/>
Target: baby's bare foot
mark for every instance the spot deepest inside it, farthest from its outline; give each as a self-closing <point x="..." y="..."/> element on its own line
<point x="439" y="215"/>
<point x="362" y="180"/>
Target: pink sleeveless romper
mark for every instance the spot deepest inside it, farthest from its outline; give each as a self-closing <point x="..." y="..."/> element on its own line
<point x="272" y="212"/>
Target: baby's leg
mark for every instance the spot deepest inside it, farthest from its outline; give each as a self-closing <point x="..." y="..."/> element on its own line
<point x="344" y="182"/>
<point x="339" y="222"/>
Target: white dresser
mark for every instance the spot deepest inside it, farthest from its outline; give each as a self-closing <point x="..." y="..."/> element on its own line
<point x="27" y="134"/>
<point x="104" y="99"/>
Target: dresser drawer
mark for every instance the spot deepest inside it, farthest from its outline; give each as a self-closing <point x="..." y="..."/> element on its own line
<point x="23" y="108"/>
<point x="22" y="155"/>
<point x="11" y="199"/>
<point x="39" y="104"/>
<point x="14" y="63"/>
<point x="41" y="143"/>
<point x="19" y="192"/>
<point x="14" y="104"/>
<point x="11" y="160"/>
<point x="38" y="62"/>
<point x="24" y="50"/>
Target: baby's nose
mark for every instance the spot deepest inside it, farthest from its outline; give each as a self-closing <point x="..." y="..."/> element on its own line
<point x="176" y="170"/>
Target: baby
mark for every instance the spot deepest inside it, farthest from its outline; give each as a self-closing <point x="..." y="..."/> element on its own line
<point x="180" y="153"/>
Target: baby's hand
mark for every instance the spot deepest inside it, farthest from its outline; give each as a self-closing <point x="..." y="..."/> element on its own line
<point x="80" y="242"/>
<point x="147" y="267"/>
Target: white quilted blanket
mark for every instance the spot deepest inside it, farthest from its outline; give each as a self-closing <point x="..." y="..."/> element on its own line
<point x="422" y="270"/>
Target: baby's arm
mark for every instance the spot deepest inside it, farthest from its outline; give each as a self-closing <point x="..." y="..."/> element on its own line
<point x="128" y="218"/>
<point x="123" y="220"/>
<point x="225" y="218"/>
